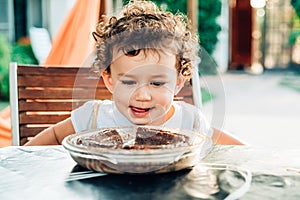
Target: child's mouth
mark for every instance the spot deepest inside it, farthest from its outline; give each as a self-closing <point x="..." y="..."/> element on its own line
<point x="139" y="112"/>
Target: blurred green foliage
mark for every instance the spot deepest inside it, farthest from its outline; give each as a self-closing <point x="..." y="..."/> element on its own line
<point x="293" y="37"/>
<point x="206" y="95"/>
<point x="208" y="26"/>
<point x="3" y="105"/>
<point x="296" y="6"/>
<point x="295" y="33"/>
<point x="292" y="82"/>
<point x="21" y="52"/>
<point x="208" y="11"/>
<point x="5" y="49"/>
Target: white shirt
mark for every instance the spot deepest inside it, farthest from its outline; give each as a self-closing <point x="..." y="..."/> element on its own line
<point x="186" y="116"/>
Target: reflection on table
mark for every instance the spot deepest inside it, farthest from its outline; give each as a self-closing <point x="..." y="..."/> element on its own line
<point x="48" y="172"/>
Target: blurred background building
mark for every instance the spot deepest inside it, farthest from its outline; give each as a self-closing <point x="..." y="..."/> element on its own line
<point x="254" y="33"/>
<point x="17" y="16"/>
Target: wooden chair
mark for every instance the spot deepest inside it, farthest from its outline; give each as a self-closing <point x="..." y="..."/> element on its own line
<point x="41" y="96"/>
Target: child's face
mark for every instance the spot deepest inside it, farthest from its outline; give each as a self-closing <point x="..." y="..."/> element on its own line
<point x="143" y="86"/>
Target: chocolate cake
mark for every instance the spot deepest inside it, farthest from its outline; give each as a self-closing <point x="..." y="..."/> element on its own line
<point x="150" y="137"/>
<point x="146" y="138"/>
<point x="107" y="138"/>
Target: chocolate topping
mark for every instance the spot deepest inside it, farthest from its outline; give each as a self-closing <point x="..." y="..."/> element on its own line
<point x="146" y="138"/>
<point x="107" y="138"/>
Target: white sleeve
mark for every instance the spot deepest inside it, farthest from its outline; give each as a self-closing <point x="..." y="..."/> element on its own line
<point x="203" y="125"/>
<point x="82" y="116"/>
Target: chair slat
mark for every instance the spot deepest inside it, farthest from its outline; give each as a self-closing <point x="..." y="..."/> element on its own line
<point x="31" y="131"/>
<point x="53" y="70"/>
<point x="56" y="81"/>
<point x="23" y="140"/>
<point x="185" y="91"/>
<point x="185" y="94"/>
<point x="49" y="106"/>
<point x="64" y="93"/>
<point x="42" y="118"/>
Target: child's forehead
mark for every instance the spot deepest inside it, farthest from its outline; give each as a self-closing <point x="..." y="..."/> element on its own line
<point x="145" y="72"/>
<point x="152" y="58"/>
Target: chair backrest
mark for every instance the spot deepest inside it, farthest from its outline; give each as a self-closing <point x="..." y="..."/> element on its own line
<point x="41" y="96"/>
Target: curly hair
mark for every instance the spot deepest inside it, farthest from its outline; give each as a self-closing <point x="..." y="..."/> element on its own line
<point x="143" y="26"/>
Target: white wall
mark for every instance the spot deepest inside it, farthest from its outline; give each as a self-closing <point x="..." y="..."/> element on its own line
<point x="57" y="11"/>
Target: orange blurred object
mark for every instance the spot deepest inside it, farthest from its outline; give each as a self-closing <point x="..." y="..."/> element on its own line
<point x="74" y="42"/>
<point x="5" y="127"/>
<point x="71" y="46"/>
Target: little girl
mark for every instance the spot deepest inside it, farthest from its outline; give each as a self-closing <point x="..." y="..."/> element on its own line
<point x="144" y="57"/>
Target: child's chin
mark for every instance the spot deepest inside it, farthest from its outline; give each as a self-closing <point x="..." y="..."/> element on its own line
<point x="146" y="123"/>
<point x="140" y="122"/>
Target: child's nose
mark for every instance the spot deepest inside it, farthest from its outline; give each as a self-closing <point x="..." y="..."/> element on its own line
<point x="143" y="93"/>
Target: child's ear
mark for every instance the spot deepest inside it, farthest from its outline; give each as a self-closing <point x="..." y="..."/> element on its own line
<point x="107" y="79"/>
<point x="179" y="84"/>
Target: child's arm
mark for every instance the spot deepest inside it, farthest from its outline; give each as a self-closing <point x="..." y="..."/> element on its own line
<point x="54" y="134"/>
<point x="225" y="138"/>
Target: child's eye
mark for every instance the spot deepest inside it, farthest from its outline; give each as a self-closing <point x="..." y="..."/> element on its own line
<point x="132" y="52"/>
<point x="128" y="82"/>
<point x="157" y="83"/>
